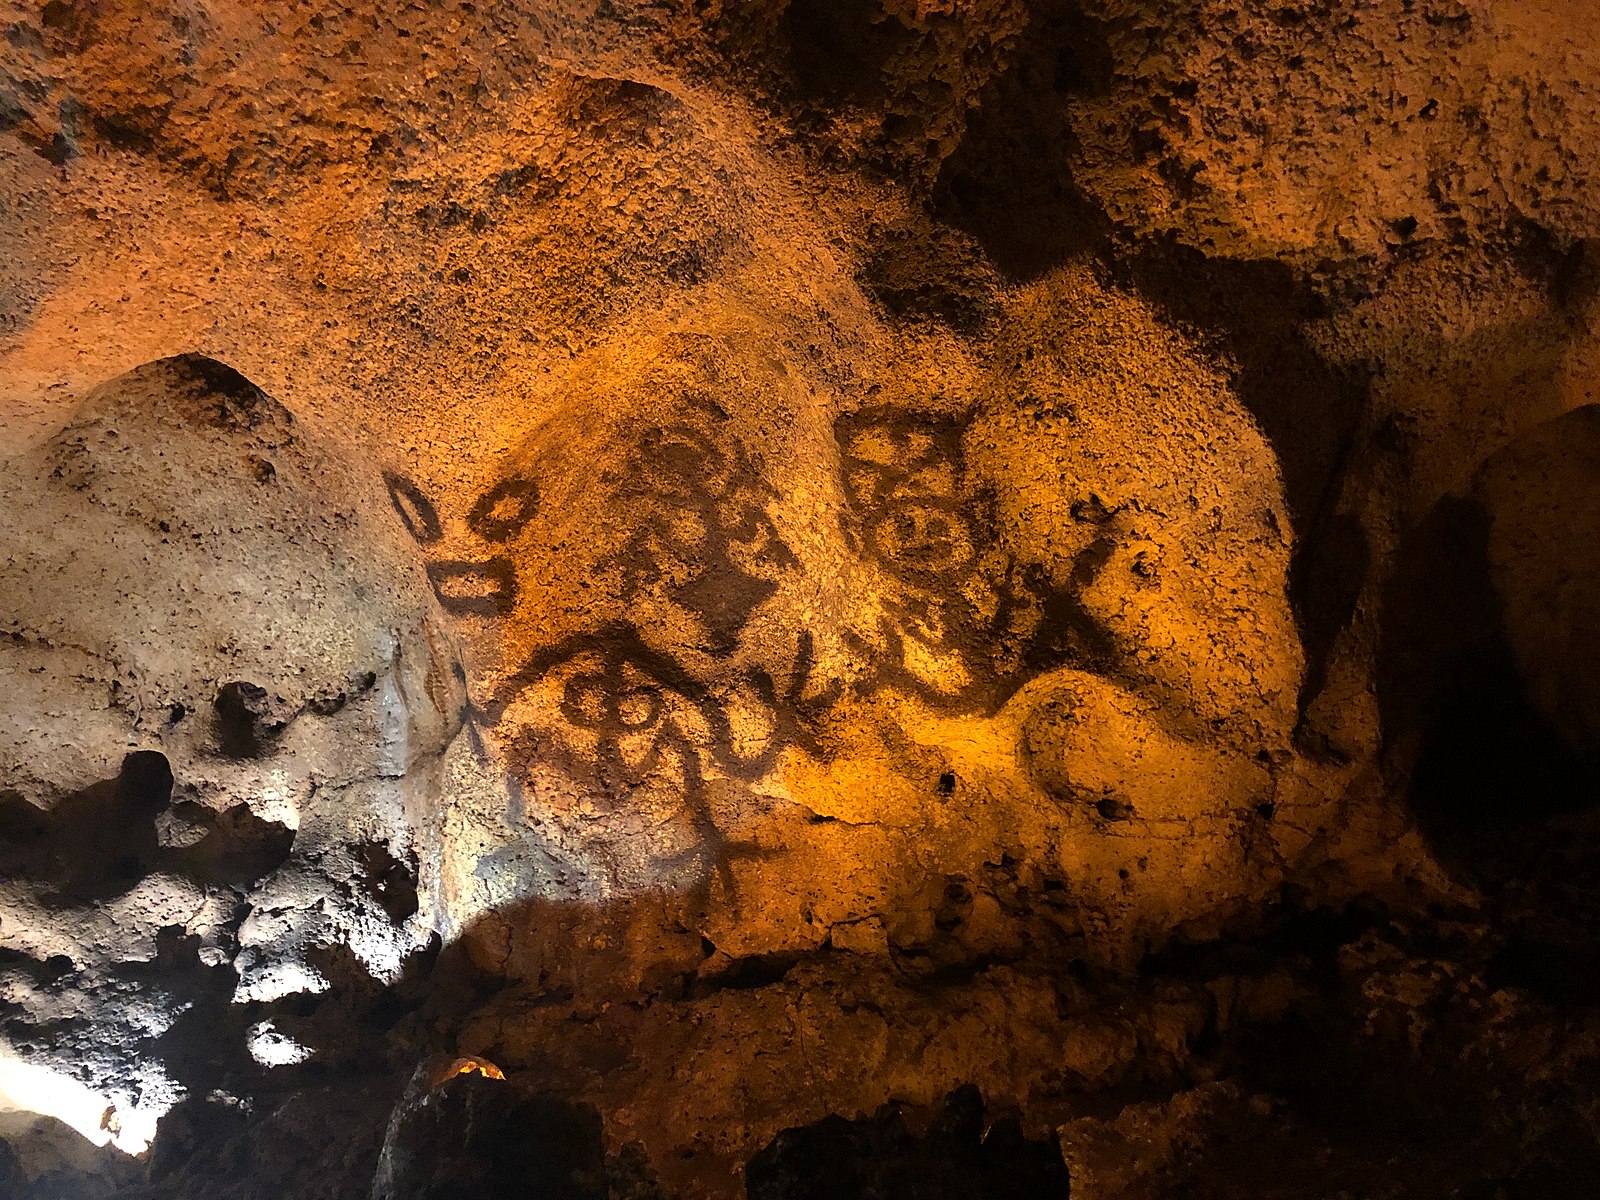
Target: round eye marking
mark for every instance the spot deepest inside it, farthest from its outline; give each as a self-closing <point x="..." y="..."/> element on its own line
<point x="638" y="708"/>
<point x="416" y="511"/>
<point x="596" y="700"/>
<point x="504" y="509"/>
<point x="584" y="700"/>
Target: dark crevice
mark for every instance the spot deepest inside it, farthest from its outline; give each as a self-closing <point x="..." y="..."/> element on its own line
<point x="958" y="1158"/>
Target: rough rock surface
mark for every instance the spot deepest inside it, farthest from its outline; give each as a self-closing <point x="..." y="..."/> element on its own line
<point x="206" y="783"/>
<point x="763" y="566"/>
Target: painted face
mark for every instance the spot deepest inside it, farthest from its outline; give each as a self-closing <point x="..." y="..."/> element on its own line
<point x="722" y="633"/>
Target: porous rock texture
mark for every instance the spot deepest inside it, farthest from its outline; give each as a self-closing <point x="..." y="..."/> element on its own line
<point x="859" y="596"/>
<point x="207" y="781"/>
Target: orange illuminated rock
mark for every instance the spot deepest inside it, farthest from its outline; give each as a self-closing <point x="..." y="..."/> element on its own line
<point x="465" y="1066"/>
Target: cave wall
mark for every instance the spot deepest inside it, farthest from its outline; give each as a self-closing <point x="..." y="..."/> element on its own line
<point x="753" y="563"/>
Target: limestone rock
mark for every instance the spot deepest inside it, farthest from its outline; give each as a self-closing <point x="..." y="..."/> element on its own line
<point x="226" y="695"/>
